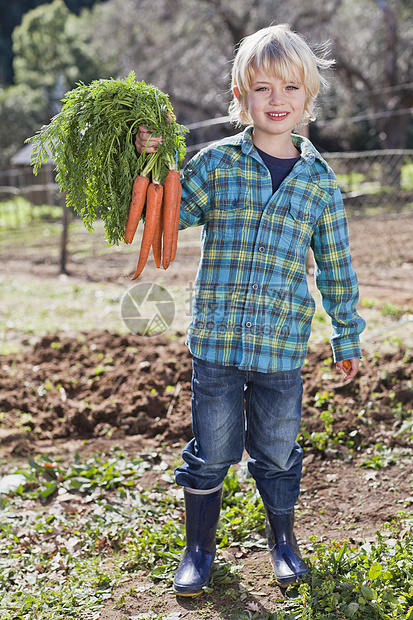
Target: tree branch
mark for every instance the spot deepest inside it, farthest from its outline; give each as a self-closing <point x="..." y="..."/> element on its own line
<point x="353" y="73"/>
<point x="237" y="26"/>
<point x="392" y="38"/>
<point x="317" y="18"/>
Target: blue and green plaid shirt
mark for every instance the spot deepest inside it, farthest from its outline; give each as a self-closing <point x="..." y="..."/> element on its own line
<point x="252" y="307"/>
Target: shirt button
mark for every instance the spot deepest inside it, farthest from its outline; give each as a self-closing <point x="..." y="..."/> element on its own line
<point x="261" y="248"/>
<point x="255" y="287"/>
<point x="264" y="174"/>
<point x="248" y="324"/>
<point x="300" y="214"/>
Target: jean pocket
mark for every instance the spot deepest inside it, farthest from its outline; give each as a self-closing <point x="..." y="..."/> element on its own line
<point x="211" y="370"/>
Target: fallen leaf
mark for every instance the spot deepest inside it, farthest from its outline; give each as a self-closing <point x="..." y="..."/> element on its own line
<point x="11" y="482"/>
<point x="253" y="606"/>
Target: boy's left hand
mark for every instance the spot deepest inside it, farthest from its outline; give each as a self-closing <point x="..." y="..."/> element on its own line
<point x="349" y="373"/>
<point x="145" y="141"/>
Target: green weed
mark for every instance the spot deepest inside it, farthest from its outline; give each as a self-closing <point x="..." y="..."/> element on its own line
<point x="321" y="440"/>
<point x="70" y="533"/>
<point x="380" y="456"/>
<point x="394" y="312"/>
<point x="374" y="582"/>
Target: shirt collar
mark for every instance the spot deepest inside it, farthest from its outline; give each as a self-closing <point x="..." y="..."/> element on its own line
<point x="308" y="152"/>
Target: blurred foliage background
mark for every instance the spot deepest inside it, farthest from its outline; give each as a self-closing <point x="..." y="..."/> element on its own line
<point x="186" y="47"/>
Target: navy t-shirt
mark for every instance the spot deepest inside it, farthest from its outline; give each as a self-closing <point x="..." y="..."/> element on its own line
<point x="279" y="168"/>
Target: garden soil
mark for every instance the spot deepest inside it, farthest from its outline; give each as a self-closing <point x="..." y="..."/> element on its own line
<point x="88" y="391"/>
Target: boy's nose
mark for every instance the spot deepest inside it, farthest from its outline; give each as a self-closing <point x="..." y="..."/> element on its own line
<point x="276" y="97"/>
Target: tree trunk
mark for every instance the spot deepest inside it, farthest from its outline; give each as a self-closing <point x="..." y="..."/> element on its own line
<point x="395" y="129"/>
<point x="64" y="235"/>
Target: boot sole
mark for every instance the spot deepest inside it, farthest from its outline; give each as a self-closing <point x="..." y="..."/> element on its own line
<point x="188" y="594"/>
<point x="290" y="582"/>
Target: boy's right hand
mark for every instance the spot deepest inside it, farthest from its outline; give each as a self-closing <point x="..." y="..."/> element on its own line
<point x="145" y="140"/>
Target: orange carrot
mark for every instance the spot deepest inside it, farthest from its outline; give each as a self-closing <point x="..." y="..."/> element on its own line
<point x="172" y="186"/>
<point x="176" y="230"/>
<point x="153" y="212"/>
<point x="157" y="240"/>
<point x="139" y="189"/>
<point x="347" y="364"/>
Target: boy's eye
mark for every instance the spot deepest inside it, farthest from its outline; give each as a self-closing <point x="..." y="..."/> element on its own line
<point x="292" y="87"/>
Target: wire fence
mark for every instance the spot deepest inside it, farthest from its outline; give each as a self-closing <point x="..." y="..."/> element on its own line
<point x="20" y="181"/>
<point x="368" y="180"/>
<point x="375" y="179"/>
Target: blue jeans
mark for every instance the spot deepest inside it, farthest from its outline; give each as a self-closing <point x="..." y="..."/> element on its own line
<point x="233" y="410"/>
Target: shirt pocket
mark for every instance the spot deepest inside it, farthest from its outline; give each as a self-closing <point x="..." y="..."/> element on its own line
<point x="301" y="219"/>
<point x="227" y="213"/>
<point x="303" y="213"/>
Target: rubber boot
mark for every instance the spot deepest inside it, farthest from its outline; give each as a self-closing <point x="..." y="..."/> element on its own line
<point x="284" y="552"/>
<point x="201" y="520"/>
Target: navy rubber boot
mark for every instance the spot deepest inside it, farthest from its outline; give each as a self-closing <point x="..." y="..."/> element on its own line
<point x="284" y="552"/>
<point x="201" y="520"/>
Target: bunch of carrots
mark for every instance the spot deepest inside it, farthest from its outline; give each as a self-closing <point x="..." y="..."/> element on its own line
<point x="160" y="231"/>
<point x="92" y="143"/>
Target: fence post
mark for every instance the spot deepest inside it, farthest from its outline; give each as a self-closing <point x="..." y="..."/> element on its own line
<point x="64" y="235"/>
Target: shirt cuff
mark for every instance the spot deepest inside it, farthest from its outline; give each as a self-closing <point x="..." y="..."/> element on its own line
<point x="346" y="348"/>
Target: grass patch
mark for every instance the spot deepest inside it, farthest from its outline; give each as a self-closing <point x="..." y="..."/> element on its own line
<point x="71" y="533"/>
<point x="370" y="583"/>
<point x="407" y="176"/>
<point x="44" y="307"/>
<point x="19" y="212"/>
<point x="373" y="182"/>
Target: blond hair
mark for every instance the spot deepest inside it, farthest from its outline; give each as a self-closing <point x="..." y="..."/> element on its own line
<point x="278" y="52"/>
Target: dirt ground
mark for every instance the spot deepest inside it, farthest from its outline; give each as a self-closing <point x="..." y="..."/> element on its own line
<point x="97" y="388"/>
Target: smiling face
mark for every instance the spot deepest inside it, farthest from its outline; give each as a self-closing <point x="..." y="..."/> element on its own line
<point x="270" y="53"/>
<point x="275" y="106"/>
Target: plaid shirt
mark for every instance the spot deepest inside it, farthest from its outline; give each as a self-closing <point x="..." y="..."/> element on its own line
<point x="252" y="307"/>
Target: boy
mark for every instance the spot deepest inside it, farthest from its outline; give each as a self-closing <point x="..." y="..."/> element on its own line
<point x="264" y="197"/>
